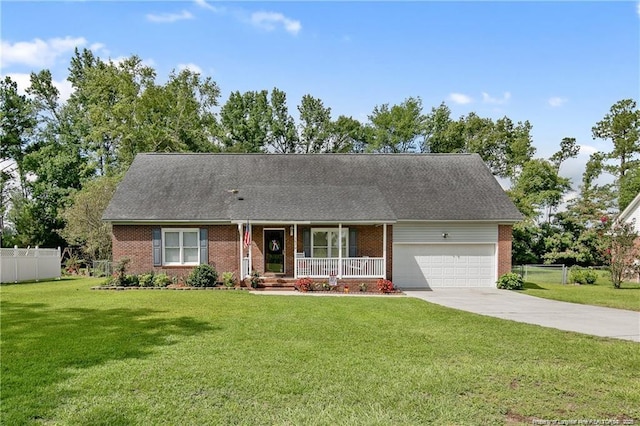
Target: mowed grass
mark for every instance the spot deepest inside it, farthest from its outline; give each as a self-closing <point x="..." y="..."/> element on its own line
<point x="72" y="356"/>
<point x="602" y="293"/>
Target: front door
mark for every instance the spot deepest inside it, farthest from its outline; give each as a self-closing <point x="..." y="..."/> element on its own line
<point x="274" y="251"/>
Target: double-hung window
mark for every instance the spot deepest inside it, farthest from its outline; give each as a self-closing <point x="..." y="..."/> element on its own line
<point x="180" y="246"/>
<point x="324" y="242"/>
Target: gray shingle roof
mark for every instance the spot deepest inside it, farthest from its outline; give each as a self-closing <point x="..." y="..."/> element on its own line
<point x="315" y="187"/>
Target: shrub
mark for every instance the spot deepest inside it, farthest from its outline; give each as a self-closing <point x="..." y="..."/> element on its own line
<point x="510" y="281"/>
<point x="203" y="276"/>
<point x="582" y="276"/>
<point x="119" y="276"/>
<point x="161" y="280"/>
<point x="255" y="279"/>
<point x="228" y="280"/>
<point x="145" y="280"/>
<point x="385" y="286"/>
<point x="130" y="281"/>
<point x="363" y="286"/>
<point x="303" y="284"/>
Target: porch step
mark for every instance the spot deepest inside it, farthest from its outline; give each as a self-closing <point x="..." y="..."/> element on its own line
<point x="277" y="283"/>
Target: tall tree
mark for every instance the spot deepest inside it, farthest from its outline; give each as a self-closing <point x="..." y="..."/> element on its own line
<point x="399" y="128"/>
<point x="314" y="125"/>
<point x="569" y="148"/>
<point x="622" y="126"/>
<point x="17" y="122"/>
<point x="539" y="188"/>
<point x="83" y="225"/>
<point x="245" y="121"/>
<point x="283" y="137"/>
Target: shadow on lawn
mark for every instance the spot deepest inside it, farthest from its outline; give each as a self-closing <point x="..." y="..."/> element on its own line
<point x="40" y="347"/>
<point x="533" y="285"/>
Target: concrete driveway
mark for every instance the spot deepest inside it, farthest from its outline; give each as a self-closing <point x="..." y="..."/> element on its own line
<point x="511" y="305"/>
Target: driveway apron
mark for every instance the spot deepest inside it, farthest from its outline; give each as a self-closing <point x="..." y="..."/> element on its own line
<point x="511" y="305"/>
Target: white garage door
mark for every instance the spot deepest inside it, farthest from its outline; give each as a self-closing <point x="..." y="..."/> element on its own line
<point x="444" y="265"/>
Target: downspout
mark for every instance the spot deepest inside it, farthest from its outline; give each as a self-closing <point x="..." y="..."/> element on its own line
<point x="241" y="273"/>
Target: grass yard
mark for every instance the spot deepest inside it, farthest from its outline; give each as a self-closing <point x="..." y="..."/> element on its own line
<point x="601" y="293"/>
<point x="72" y="356"/>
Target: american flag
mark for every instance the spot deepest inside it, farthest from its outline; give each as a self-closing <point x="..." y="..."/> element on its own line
<point x="247" y="236"/>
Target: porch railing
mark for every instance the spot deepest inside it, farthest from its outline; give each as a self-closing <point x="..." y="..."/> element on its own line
<point x="349" y="267"/>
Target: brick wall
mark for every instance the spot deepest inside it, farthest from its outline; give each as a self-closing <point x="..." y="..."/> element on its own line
<point x="504" y="249"/>
<point x="135" y="242"/>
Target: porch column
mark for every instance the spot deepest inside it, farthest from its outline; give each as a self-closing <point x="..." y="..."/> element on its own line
<point x="339" y="250"/>
<point x="384" y="250"/>
<point x="295" y="250"/>
<point x="250" y="261"/>
<point x="241" y="273"/>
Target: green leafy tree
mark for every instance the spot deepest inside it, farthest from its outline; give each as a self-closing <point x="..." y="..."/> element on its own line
<point x="83" y="225"/>
<point x="539" y="188"/>
<point x="17" y="122"/>
<point x="283" y="137"/>
<point x="569" y="148"/>
<point x="629" y="187"/>
<point x="622" y="127"/>
<point x="399" y="128"/>
<point x="315" y="126"/>
<point x="245" y="122"/>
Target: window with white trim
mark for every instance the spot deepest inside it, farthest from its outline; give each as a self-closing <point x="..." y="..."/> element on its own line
<point x="180" y="246"/>
<point x="324" y="242"/>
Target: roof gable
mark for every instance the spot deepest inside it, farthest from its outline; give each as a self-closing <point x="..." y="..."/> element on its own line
<point x="632" y="213"/>
<point x="313" y="187"/>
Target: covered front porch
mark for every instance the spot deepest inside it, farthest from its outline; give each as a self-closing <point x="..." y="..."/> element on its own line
<point x="322" y="250"/>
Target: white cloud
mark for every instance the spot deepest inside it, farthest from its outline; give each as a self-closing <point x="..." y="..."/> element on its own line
<point x="23" y="80"/>
<point x="169" y="17"/>
<point x="270" y="20"/>
<point x="38" y="53"/>
<point x="487" y="99"/>
<point x="557" y="101"/>
<point x="203" y="4"/>
<point x="460" y="98"/>
<point x="638" y="8"/>
<point x="191" y="67"/>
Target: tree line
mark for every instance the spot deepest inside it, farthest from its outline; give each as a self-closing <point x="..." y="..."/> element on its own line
<point x="63" y="159"/>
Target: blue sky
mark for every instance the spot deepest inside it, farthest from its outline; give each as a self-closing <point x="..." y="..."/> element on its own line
<point x="560" y="65"/>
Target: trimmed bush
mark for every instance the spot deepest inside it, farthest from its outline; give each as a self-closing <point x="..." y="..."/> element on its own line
<point x="228" y="280"/>
<point x="161" y="280"/>
<point x="510" y="281"/>
<point x="145" y="280"/>
<point x="203" y="276"/>
<point x="385" y="286"/>
<point x="578" y="275"/>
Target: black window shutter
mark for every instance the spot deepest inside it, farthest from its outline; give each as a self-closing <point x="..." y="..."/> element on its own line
<point x="204" y="246"/>
<point x="353" y="242"/>
<point x="157" y="246"/>
<point x="306" y="242"/>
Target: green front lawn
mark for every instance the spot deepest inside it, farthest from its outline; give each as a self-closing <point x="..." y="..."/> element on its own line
<point x="601" y="293"/>
<point x="75" y="356"/>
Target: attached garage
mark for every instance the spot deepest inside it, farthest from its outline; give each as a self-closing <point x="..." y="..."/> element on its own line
<point x="436" y="255"/>
<point x="444" y="265"/>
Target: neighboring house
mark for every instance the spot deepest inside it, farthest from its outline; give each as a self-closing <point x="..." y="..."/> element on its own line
<point x="632" y="214"/>
<point x="421" y="220"/>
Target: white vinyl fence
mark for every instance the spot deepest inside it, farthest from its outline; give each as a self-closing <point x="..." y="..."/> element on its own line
<point x="29" y="264"/>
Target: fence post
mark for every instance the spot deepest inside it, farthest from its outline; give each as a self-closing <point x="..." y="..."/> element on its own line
<point x="36" y="262"/>
<point x="564" y="274"/>
<point x="59" y="261"/>
<point x="15" y="263"/>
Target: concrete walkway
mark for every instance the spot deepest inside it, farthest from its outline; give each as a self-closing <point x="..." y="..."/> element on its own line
<point x="511" y="305"/>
